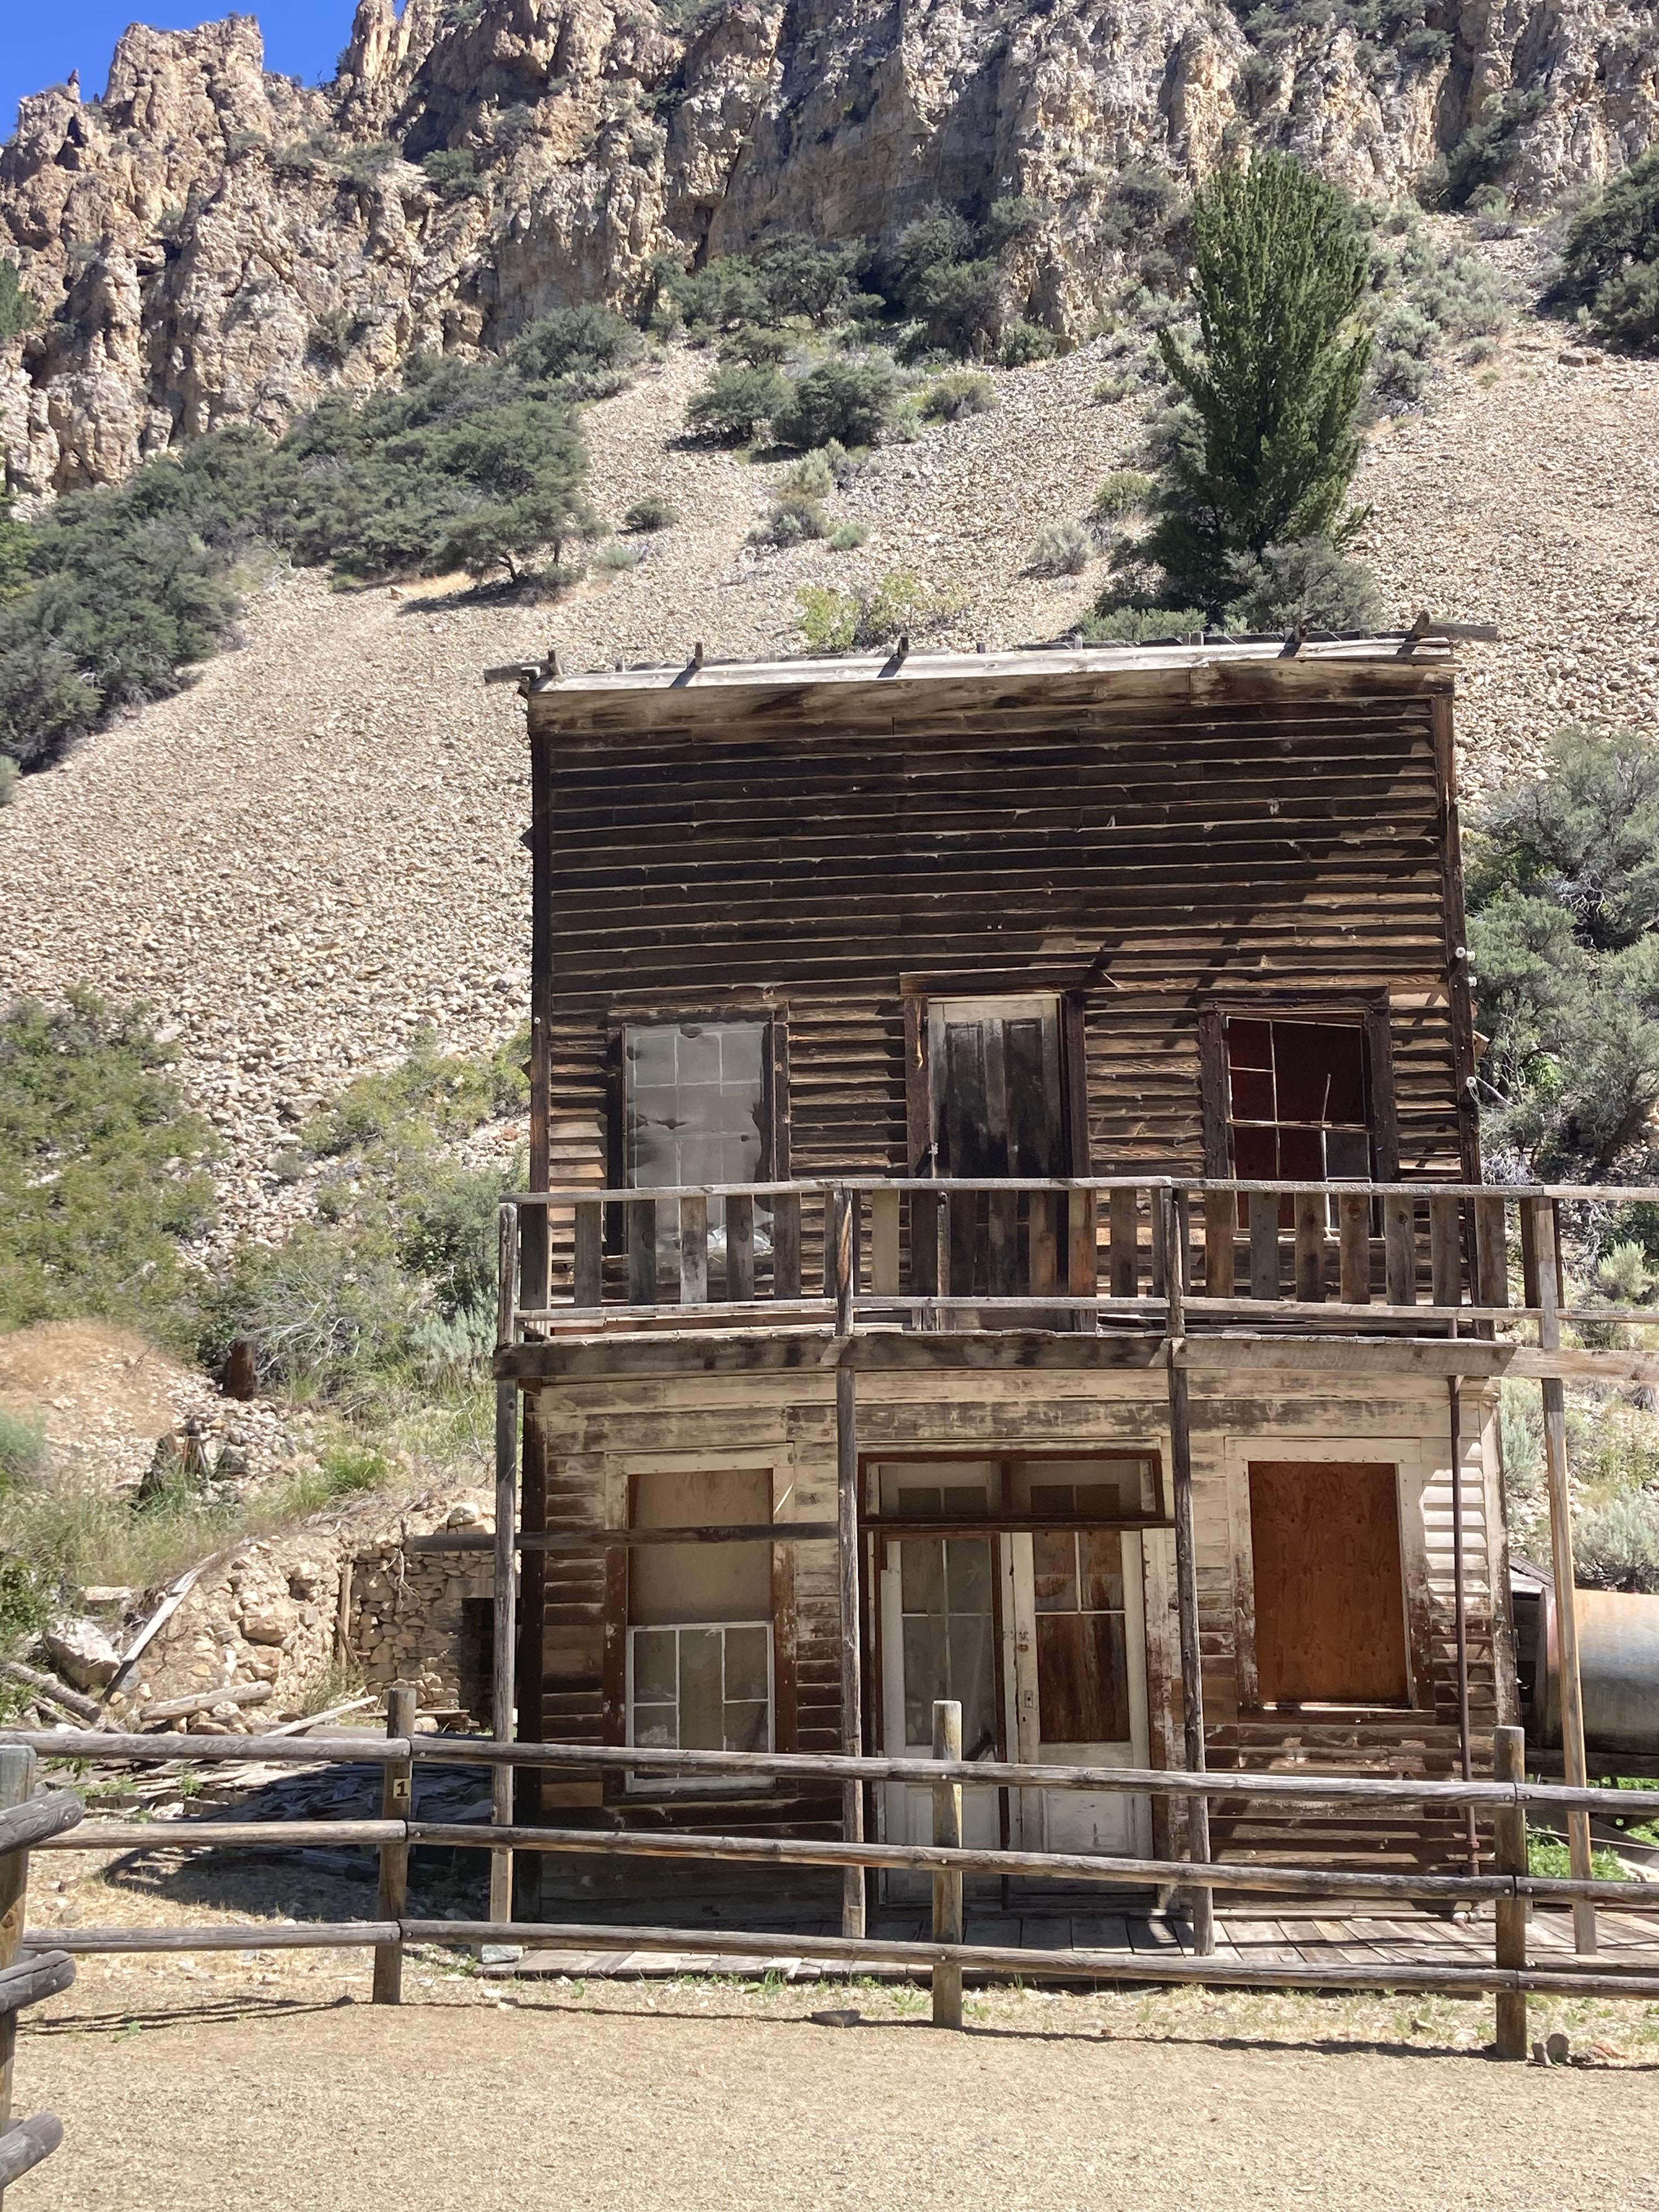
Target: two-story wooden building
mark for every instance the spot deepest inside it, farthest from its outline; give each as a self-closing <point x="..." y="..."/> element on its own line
<point x="1025" y="971"/>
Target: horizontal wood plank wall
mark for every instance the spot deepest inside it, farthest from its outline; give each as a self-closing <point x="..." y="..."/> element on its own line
<point x="1148" y="852"/>
<point x="590" y="1425"/>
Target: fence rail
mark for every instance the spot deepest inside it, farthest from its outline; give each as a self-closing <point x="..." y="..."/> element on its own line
<point x="1510" y="1887"/>
<point x="30" y="1968"/>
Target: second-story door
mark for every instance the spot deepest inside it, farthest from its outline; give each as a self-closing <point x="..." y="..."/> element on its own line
<point x="998" y="1110"/>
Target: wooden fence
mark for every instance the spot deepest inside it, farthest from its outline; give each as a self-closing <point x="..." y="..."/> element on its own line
<point x="28" y="1972"/>
<point x="1510" y="1887"/>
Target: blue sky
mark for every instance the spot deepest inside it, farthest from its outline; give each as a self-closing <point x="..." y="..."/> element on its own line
<point x="38" y="47"/>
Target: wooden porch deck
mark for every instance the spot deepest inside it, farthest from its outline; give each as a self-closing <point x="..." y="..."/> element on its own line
<point x="1629" y="1941"/>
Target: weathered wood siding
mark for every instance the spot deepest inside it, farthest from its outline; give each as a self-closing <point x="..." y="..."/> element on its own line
<point x="597" y="1430"/>
<point x="1141" y="847"/>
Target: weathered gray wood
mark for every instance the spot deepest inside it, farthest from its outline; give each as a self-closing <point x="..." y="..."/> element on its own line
<point x="1492" y="1251"/>
<point x="506" y="1273"/>
<point x="27" y="1826"/>
<point x="1510" y="1856"/>
<point x="694" y="1251"/>
<point x="1220" y="1249"/>
<point x="104" y="1745"/>
<point x="1201" y="1900"/>
<point x="16" y="1787"/>
<point x="203" y="1701"/>
<point x="397" y="1804"/>
<point x="851" y="1690"/>
<point x="641" y="1215"/>
<point x="947" y="1883"/>
<point x="504" y="1623"/>
<point x="24" y="2147"/>
<point x="48" y="1685"/>
<point x="1399" y="1247"/>
<point x="1154" y="1967"/>
<point x="1264" y="1245"/>
<point x="1124" y="1229"/>
<point x="224" y="1935"/>
<point x="37" y="1975"/>
<point x="786" y="1245"/>
<point x="884" y="1244"/>
<point x="191" y="1835"/>
<point x="1353" y="1219"/>
<point x="610" y="1539"/>
<point x="1445" y="1251"/>
<point x="740" y="1246"/>
<point x="1310" y="1247"/>
<point x="588" y="1261"/>
<point x="1543" y="1263"/>
<point x="1170" y="1782"/>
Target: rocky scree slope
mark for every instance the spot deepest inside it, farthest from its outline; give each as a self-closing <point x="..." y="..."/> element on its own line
<point x="313" y="850"/>
<point x="208" y="243"/>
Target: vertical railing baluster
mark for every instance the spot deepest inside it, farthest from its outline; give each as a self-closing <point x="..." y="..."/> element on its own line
<point x="739" y="1247"/>
<point x="1264" y="1244"/>
<point x="1310" y="1246"/>
<point x="1125" y="1228"/>
<point x="589" y="1265"/>
<point x="884" y="1244"/>
<point x="1354" y="1217"/>
<point x="694" y="1250"/>
<point x="641" y="1214"/>
<point x="1220" y="1259"/>
<point x="1399" y="1247"/>
<point x="1445" y="1252"/>
<point x="786" y="1244"/>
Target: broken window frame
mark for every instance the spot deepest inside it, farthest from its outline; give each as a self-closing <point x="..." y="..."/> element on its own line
<point x="657" y="1783"/>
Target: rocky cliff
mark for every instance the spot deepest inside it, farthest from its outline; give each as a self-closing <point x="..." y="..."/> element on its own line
<point x="208" y="243"/>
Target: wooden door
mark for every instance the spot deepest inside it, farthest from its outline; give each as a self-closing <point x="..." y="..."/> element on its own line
<point x="997" y="1109"/>
<point x="1330" y="1613"/>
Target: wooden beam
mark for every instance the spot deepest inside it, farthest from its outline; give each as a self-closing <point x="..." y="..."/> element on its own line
<point x="17" y="1788"/>
<point x="852" y="1694"/>
<point x="1201" y="1903"/>
<point x="948" y="1880"/>
<point x="1509" y="1857"/>
<point x="397" y="1804"/>
<point x="503" y="1631"/>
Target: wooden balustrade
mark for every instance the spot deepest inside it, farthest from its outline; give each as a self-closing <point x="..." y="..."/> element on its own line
<point x="1017" y="1253"/>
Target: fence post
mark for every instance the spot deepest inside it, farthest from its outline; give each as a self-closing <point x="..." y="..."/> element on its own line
<point x="1510" y="1856"/>
<point x="16" y="1787"/>
<point x="397" y="1804"/>
<point x="847" y="1541"/>
<point x="504" y="1636"/>
<point x="947" y="1888"/>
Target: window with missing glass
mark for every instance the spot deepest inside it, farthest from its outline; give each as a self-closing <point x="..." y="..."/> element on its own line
<point x="1298" y="1100"/>
<point x="696" y="1107"/>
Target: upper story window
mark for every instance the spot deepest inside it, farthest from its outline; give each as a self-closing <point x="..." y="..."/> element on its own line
<point x="1298" y="1100"/>
<point x="695" y="1102"/>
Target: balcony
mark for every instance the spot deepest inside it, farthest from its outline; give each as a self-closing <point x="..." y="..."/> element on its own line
<point x="1155" y="1256"/>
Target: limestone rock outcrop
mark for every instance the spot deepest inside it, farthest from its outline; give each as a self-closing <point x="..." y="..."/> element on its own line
<point x="212" y="243"/>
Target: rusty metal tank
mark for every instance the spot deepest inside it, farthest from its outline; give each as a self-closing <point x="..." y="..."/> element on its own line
<point x="1618" y="1667"/>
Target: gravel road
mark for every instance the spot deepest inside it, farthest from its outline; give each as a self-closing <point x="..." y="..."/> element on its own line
<point x="674" y="2100"/>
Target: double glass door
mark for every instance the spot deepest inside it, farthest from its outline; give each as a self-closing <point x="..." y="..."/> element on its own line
<point x="1039" y="1635"/>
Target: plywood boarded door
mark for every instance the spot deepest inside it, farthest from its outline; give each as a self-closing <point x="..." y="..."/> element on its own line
<point x="1330" y="1615"/>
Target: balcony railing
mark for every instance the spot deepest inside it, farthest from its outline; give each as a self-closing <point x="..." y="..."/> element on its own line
<point x="1133" y="1253"/>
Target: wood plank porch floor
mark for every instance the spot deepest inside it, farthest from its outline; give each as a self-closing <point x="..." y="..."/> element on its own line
<point x="1245" y="1938"/>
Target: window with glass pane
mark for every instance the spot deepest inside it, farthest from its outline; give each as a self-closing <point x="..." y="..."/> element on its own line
<point x="1083" y="1679"/>
<point x="1298" y="1106"/>
<point x="696" y="1113"/>
<point x="945" y="1602"/>
<point x="703" y="1687"/>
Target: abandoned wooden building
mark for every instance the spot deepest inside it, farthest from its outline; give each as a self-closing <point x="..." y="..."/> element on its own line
<point x="984" y="1107"/>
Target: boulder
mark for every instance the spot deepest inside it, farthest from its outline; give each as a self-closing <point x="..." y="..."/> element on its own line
<point x="81" y="1652"/>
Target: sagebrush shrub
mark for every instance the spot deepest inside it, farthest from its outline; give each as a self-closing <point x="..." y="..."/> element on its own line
<point x="736" y="401"/>
<point x="1062" y="548"/>
<point x="959" y="391"/>
<point x="653" y="512"/>
<point x="851" y="401"/>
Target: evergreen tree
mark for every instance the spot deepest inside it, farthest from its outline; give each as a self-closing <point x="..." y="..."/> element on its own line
<point x="1279" y="278"/>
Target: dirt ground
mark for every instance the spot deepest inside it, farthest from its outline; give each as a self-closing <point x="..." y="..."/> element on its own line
<point x="266" y="2081"/>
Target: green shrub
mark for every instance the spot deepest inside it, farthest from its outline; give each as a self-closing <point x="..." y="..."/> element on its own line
<point x="16" y="540"/>
<point x="22" y="1447"/>
<point x="17" y="309"/>
<point x="759" y="347"/>
<point x="1309" y="583"/>
<point x="1123" y="494"/>
<point x="453" y="174"/>
<point x="850" y="400"/>
<point x="959" y="391"/>
<point x="1615" y="1545"/>
<point x="1610" y="263"/>
<point x="1111" y="390"/>
<point x="575" y="348"/>
<point x="102" y="1169"/>
<point x="1130" y="625"/>
<point x="27" y="1603"/>
<point x="1487" y="151"/>
<point x="858" y="620"/>
<point x="795" y="517"/>
<point x="1062" y="548"/>
<point x="1024" y="343"/>
<point x="8" y="779"/>
<point x="615" y="560"/>
<point x="736" y="401"/>
<point x="653" y="512"/>
<point x="847" y="537"/>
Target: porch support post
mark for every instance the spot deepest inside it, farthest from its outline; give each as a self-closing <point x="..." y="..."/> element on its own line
<point x="1542" y="1252"/>
<point x="852" y="1692"/>
<point x="1202" y="1901"/>
<point x="1454" y="1404"/>
<point x="505" y="1636"/>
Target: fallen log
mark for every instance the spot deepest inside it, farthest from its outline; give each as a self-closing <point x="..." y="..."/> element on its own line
<point x="203" y="1701"/>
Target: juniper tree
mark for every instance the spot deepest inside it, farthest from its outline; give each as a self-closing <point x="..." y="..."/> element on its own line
<point x="1279" y="274"/>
